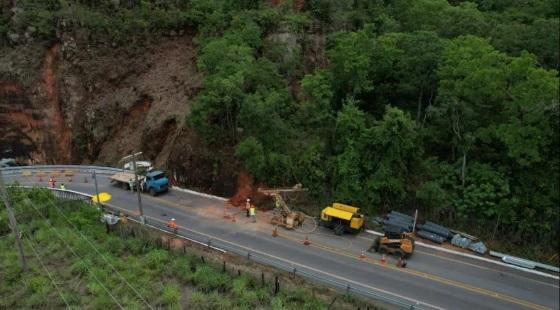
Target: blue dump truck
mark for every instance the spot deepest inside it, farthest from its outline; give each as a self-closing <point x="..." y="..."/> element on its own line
<point x="153" y="182"/>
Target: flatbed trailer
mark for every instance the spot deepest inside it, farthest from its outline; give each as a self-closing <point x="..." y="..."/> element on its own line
<point x="123" y="179"/>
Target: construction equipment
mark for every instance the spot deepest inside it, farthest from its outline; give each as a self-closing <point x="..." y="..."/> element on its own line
<point x="153" y="182"/>
<point x="399" y="245"/>
<point x="287" y="218"/>
<point x="342" y="218"/>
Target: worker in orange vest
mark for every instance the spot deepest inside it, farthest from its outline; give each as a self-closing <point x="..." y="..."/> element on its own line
<point x="52" y="182"/>
<point x="173" y="225"/>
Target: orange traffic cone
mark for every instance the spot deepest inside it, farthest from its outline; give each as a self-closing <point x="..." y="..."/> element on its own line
<point x="306" y="241"/>
<point x="383" y="260"/>
<point x="275" y="232"/>
<point x="362" y="255"/>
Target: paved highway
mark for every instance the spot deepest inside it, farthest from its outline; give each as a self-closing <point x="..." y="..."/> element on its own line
<point x="434" y="279"/>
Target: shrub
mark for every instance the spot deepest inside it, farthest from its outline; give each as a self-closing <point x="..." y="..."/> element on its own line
<point x="278" y="302"/>
<point x="38" y="284"/>
<point x="239" y="285"/>
<point x="103" y="302"/>
<point x="157" y="258"/>
<point x="12" y="272"/>
<point x="181" y="268"/>
<point x="135" y="246"/>
<point x="207" y="279"/>
<point x="200" y="300"/>
<point x="80" y="267"/>
<point x="171" y="294"/>
<point x="115" y="245"/>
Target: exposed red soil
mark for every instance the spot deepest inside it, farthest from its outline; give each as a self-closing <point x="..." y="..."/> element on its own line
<point x="56" y="122"/>
<point x="247" y="189"/>
<point x="244" y="189"/>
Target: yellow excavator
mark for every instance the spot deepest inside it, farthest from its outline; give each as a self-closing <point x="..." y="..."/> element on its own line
<point x="399" y="245"/>
<point x="287" y="218"/>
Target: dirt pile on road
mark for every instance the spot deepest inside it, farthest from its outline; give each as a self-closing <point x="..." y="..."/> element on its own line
<point x="247" y="189"/>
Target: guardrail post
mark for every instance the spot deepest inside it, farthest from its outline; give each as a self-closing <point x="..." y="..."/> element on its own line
<point x="348" y="289"/>
<point x="249" y="255"/>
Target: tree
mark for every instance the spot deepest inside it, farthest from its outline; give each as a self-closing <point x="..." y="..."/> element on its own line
<point x="391" y="155"/>
<point x="470" y="92"/>
<point x="351" y="63"/>
<point x="415" y="69"/>
<point x="347" y="147"/>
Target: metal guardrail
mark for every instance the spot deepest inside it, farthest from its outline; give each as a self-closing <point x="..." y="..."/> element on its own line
<point x="84" y="169"/>
<point x="295" y="269"/>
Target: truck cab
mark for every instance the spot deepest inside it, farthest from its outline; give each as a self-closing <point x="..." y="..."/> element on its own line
<point x="155" y="182"/>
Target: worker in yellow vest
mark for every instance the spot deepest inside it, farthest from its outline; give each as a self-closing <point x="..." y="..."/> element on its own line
<point x="247" y="206"/>
<point x="253" y="214"/>
<point x="62" y="187"/>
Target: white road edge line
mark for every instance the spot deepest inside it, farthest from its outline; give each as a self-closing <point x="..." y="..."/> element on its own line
<point x="184" y="190"/>
<point x="540" y="273"/>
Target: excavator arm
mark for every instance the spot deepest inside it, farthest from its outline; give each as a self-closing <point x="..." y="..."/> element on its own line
<point x="279" y="203"/>
<point x="288" y="218"/>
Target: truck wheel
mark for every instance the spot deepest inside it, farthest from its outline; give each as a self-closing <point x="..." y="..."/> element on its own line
<point x="339" y="230"/>
<point x="375" y="245"/>
<point x="382" y="249"/>
<point x="152" y="192"/>
<point x="399" y="253"/>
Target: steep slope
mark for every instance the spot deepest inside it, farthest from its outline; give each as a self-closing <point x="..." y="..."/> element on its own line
<point x="71" y="102"/>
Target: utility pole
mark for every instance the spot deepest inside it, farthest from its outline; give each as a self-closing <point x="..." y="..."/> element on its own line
<point x="96" y="190"/>
<point x="13" y="222"/>
<point x="415" y="220"/>
<point x="133" y="157"/>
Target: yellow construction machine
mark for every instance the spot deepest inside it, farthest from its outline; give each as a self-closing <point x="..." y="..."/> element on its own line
<point x="399" y="245"/>
<point x="287" y="218"/>
<point x="342" y="218"/>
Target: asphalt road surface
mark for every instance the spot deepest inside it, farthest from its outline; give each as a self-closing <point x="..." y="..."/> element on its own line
<point x="434" y="279"/>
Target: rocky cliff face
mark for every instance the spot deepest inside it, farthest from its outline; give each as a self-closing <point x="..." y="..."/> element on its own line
<point x="70" y="102"/>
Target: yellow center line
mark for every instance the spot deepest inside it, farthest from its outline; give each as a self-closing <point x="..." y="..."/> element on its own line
<point x="468" y="287"/>
<point x="478" y="266"/>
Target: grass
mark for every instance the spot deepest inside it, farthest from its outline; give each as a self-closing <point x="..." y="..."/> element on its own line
<point x="85" y="273"/>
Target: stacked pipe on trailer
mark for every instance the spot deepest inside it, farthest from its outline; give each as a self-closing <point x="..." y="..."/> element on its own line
<point x="436" y="229"/>
<point x="430" y="236"/>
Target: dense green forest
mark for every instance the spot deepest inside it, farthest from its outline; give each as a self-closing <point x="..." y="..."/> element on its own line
<point x="450" y="107"/>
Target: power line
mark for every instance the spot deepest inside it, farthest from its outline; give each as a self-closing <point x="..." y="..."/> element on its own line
<point x="47" y="271"/>
<point x="100" y="254"/>
<point x="75" y="254"/>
